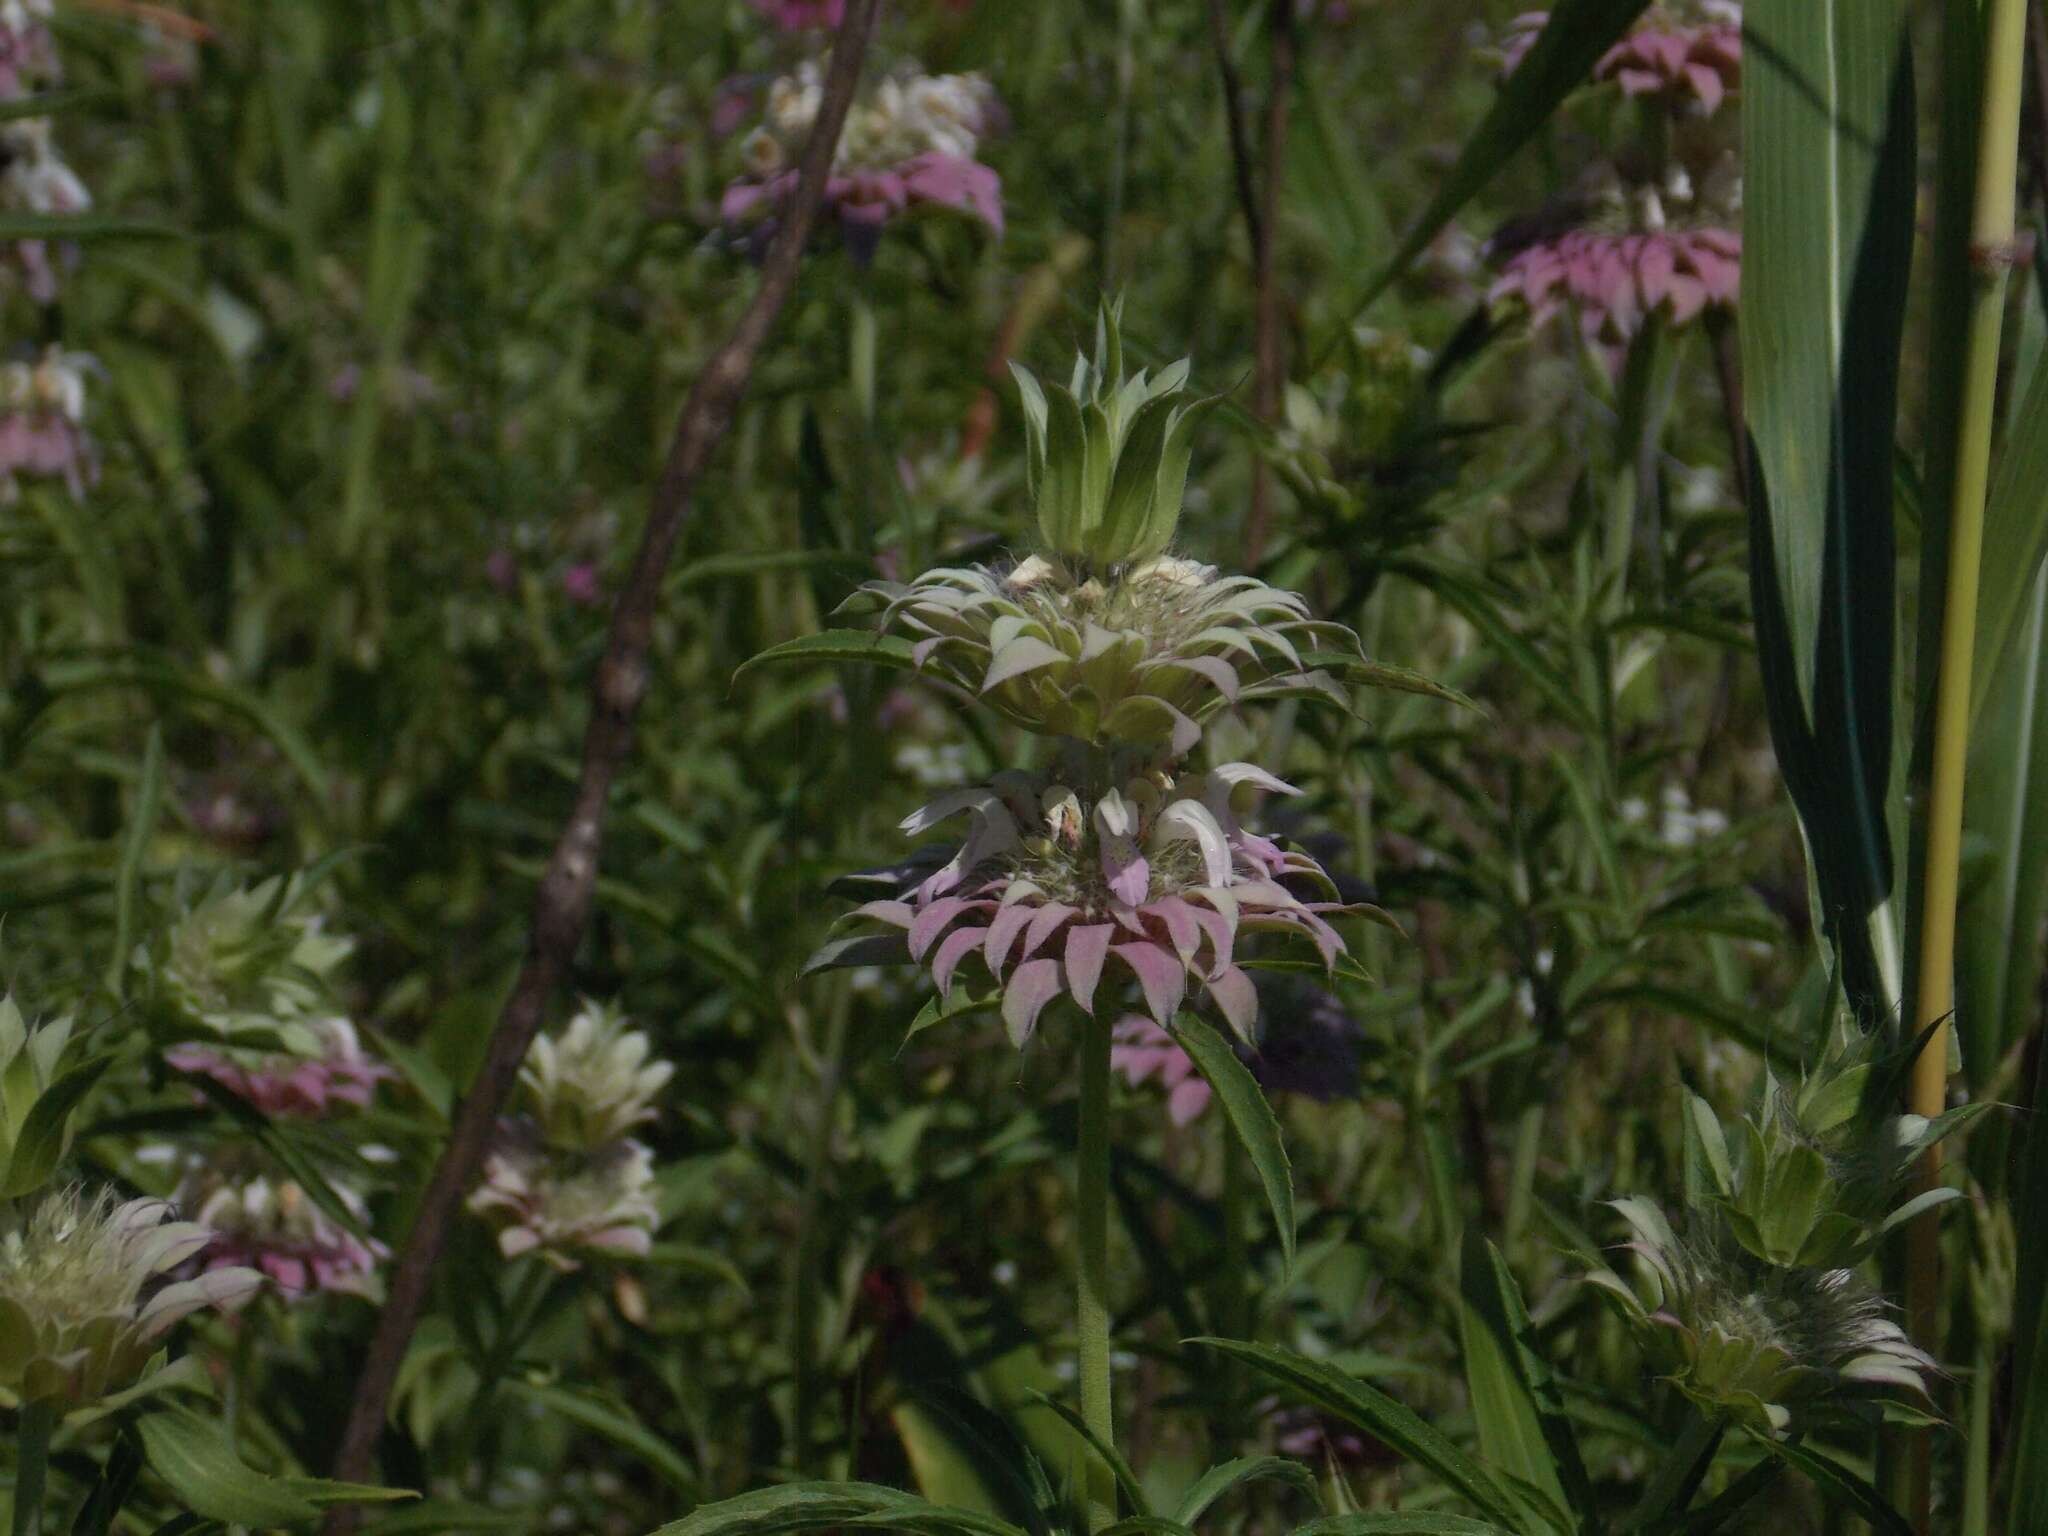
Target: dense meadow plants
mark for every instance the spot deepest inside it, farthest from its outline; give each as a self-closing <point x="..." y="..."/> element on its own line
<point x="1314" y="801"/>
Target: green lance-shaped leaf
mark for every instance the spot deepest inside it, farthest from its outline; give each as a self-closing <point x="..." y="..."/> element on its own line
<point x="1220" y="1480"/>
<point x="1250" y="1117"/>
<point x="195" y="1457"/>
<point x="615" y="1422"/>
<point x="823" y="1506"/>
<point x="1369" y="1409"/>
<point x="1063" y="488"/>
<point x="1400" y="1523"/>
<point x="1827" y="240"/>
<point x="46" y="1129"/>
<point x="1561" y="61"/>
<point x="1523" y="1427"/>
<point x="835" y="645"/>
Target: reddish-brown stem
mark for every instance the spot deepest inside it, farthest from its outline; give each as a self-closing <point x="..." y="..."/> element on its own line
<point x="1269" y="357"/>
<point x="561" y="907"/>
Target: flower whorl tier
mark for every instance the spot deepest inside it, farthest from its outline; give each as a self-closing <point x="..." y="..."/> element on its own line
<point x="1139" y="658"/>
<point x="1760" y="1342"/>
<point x="273" y="1227"/>
<point x="1156" y="875"/>
<point x="565" y="1208"/>
<point x="1617" y="280"/>
<point x="83" y="1295"/>
<point x="1689" y="55"/>
<point x="279" y="1083"/>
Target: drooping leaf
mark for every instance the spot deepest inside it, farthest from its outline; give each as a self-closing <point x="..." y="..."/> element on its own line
<point x="195" y="1457"/>
<point x="1221" y="1479"/>
<point x="44" y="1129"/>
<point x="822" y="1506"/>
<point x="1840" y="1486"/>
<point x="1250" y="1117"/>
<point x="835" y="645"/>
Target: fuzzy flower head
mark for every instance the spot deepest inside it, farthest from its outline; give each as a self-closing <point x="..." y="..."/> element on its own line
<point x="566" y="1207"/>
<point x="591" y="1085"/>
<point x="1765" y="1343"/>
<point x="1152" y="879"/>
<point x="84" y="1299"/>
<point x="271" y="1225"/>
<point x="909" y="142"/>
<point x="338" y="1073"/>
<point x="42" y="423"/>
<point x="248" y="968"/>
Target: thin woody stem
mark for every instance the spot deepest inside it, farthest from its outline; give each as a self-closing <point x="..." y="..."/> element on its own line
<point x="562" y="905"/>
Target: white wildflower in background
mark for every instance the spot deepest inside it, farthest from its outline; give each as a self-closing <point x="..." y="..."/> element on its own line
<point x="564" y="1180"/>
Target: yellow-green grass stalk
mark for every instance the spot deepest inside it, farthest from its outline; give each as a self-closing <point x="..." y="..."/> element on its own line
<point x="1990" y="255"/>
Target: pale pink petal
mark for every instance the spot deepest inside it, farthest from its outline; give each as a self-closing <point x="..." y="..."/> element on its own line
<point x="1163" y="978"/>
<point x="1086" y="947"/>
<point x="1034" y="984"/>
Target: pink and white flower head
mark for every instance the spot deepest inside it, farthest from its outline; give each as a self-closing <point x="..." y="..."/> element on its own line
<point x="1686" y="53"/>
<point x="1146" y="1053"/>
<point x="273" y="1226"/>
<point x="283" y="1084"/>
<point x="1153" y="881"/>
<point x="35" y="179"/>
<point x="802" y="15"/>
<point x="1673" y="252"/>
<point x="909" y="143"/>
<point x="565" y="1207"/>
<point x="42" y="423"/>
<point x="86" y="1294"/>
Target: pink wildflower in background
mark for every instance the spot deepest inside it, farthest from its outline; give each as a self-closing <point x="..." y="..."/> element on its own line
<point x="1689" y="54"/>
<point x="281" y="1084"/>
<point x="802" y="15"/>
<point x="1145" y="1052"/>
<point x="274" y="1227"/>
<point x="1615" y="281"/>
<point x="28" y="53"/>
<point x="35" y="179"/>
<point x="910" y="143"/>
<point x="42" y="422"/>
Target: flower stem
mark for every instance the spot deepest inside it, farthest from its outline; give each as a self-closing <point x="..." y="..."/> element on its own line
<point x="1990" y="255"/>
<point x="1684" y="1469"/>
<point x="1091" y="1221"/>
<point x="38" y="1419"/>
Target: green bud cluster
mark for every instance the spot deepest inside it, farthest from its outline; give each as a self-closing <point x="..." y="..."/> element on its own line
<point x="1107" y="456"/>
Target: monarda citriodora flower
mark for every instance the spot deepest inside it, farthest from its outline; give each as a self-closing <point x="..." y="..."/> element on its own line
<point x="86" y="1295"/>
<point x="564" y="1180"/>
<point x="1155" y="877"/>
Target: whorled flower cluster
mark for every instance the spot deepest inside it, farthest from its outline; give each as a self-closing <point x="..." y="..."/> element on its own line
<point x="1763" y="1343"/>
<point x="247" y="970"/>
<point x="42" y="423"/>
<point x="564" y="1180"/>
<point x="337" y="1075"/>
<point x="1688" y="52"/>
<point x="908" y="143"/>
<point x="257" y="1221"/>
<point x="28" y="53"/>
<point x="1140" y="657"/>
<point x="1663" y="235"/>
<point x="1615" y="280"/>
<point x="1154" y="876"/>
<point x="86" y="1295"/>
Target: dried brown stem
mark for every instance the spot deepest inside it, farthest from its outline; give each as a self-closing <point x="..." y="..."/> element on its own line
<point x="1269" y="358"/>
<point x="561" y="908"/>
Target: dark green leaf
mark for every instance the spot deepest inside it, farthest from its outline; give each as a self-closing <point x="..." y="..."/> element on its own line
<point x="1250" y="1117"/>
<point x="835" y="645"/>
